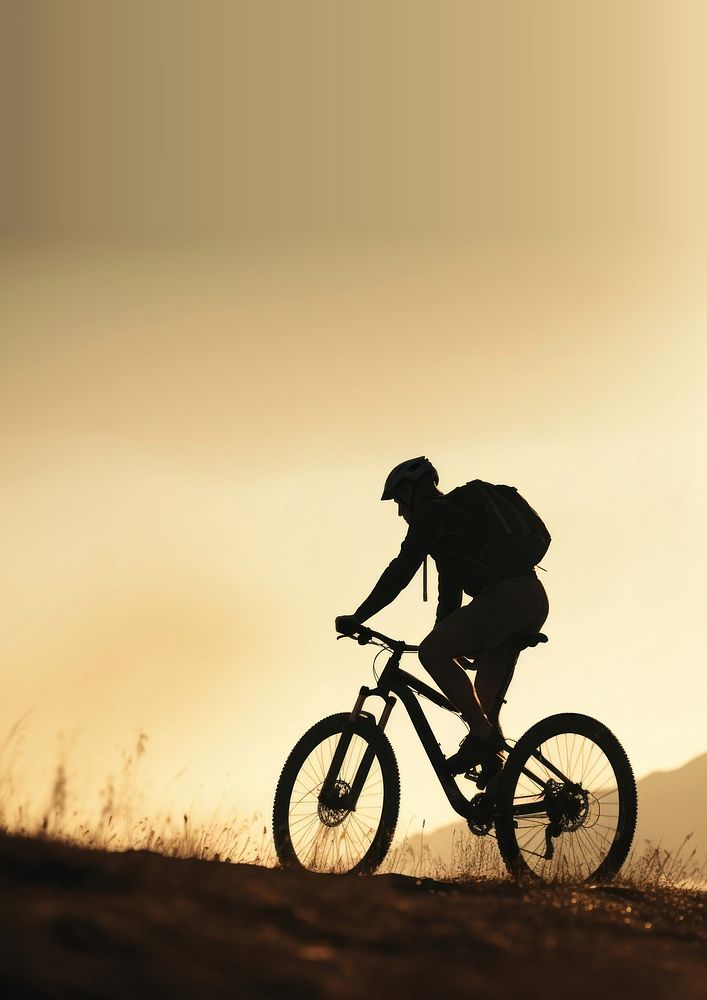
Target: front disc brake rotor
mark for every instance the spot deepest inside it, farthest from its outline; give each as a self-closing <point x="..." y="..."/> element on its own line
<point x="335" y="809"/>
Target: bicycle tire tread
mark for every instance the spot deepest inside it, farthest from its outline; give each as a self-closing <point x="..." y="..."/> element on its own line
<point x="327" y="727"/>
<point x="555" y="725"/>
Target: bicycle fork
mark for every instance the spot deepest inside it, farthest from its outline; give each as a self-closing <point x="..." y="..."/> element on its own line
<point x="346" y="795"/>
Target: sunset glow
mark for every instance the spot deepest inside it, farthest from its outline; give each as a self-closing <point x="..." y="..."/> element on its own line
<point x="235" y="292"/>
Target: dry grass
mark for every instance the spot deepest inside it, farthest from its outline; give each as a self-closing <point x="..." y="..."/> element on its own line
<point x="648" y="866"/>
<point x="471" y="858"/>
<point x="122" y="823"/>
<point x="655" y="867"/>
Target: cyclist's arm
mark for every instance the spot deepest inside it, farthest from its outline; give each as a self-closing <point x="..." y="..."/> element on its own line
<point x="449" y="596"/>
<point x="402" y="569"/>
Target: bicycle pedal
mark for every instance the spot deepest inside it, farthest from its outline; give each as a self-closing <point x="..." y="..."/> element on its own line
<point x="474" y="774"/>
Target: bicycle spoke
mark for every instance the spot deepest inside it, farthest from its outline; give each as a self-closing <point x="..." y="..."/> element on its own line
<point x="325" y="838"/>
<point x="584" y="806"/>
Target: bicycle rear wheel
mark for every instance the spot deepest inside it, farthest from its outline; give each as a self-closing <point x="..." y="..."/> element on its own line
<point x="330" y="837"/>
<point x="567" y="802"/>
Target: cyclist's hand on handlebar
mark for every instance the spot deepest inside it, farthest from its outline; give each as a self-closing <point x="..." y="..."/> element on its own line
<point x="347" y="625"/>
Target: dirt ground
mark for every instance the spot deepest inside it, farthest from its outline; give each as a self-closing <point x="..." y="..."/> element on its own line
<point x="82" y="924"/>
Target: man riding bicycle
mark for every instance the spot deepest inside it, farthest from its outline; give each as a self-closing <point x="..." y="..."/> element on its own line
<point x="485" y="541"/>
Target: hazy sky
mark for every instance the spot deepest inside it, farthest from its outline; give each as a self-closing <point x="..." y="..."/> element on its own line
<point x="256" y="254"/>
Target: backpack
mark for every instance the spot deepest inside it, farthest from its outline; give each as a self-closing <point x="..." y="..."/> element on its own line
<point x="516" y="536"/>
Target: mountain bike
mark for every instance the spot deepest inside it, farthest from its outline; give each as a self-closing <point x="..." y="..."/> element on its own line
<point x="563" y="808"/>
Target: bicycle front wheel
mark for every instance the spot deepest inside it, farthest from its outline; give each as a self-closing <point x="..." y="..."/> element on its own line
<point x="331" y="837"/>
<point x="567" y="802"/>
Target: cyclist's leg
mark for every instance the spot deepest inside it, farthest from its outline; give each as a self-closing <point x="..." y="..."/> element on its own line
<point x="492" y="674"/>
<point x="451" y="638"/>
<point x="493" y="667"/>
<point x="477" y="630"/>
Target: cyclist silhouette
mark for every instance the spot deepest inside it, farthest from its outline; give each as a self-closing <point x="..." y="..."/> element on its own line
<point x="459" y="530"/>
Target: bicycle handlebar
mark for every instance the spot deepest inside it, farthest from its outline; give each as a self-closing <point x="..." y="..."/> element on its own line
<point x="365" y="635"/>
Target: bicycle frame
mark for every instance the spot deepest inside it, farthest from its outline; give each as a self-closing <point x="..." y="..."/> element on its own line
<point x="394" y="681"/>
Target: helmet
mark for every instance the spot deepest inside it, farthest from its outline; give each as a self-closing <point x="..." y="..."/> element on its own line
<point x="409" y="472"/>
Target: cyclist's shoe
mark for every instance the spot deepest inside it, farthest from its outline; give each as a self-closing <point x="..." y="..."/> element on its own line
<point x="473" y="750"/>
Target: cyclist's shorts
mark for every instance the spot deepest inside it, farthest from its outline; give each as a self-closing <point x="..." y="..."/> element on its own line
<point x="509" y="605"/>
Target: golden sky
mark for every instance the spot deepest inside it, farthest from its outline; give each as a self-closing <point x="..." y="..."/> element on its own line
<point x="254" y="255"/>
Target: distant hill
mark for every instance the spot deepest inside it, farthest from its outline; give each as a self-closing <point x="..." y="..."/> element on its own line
<point x="671" y="805"/>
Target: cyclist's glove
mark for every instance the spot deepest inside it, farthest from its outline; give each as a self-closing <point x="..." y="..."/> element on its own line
<point x="347" y="625"/>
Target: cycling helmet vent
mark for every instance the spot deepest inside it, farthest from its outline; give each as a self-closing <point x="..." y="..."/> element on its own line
<point x="410" y="471"/>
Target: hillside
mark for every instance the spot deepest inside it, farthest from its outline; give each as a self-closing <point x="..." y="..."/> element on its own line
<point x="671" y="806"/>
<point x="87" y="924"/>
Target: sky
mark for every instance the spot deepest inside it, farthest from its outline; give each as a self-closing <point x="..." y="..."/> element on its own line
<point x="252" y="259"/>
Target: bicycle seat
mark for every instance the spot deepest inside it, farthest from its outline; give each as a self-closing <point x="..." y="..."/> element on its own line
<point x="525" y="639"/>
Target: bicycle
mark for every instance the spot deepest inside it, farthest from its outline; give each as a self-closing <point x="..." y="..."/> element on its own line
<point x="564" y="806"/>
